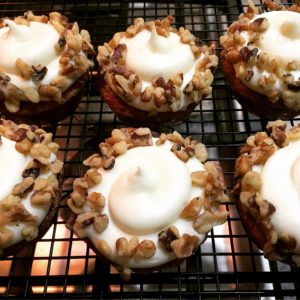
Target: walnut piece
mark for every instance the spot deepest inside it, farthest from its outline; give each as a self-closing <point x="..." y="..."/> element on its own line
<point x="185" y="245"/>
<point x="166" y="237"/>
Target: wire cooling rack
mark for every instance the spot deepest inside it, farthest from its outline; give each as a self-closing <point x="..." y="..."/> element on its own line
<point x="227" y="265"/>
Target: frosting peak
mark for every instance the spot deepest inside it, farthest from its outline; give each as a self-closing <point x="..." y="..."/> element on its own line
<point x="16" y="31"/>
<point x="151" y="55"/>
<point x="143" y="198"/>
<point x="34" y="44"/>
<point x="141" y="178"/>
<point x="158" y="43"/>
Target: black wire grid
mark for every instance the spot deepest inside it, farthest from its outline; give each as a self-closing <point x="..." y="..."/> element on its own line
<point x="227" y="265"/>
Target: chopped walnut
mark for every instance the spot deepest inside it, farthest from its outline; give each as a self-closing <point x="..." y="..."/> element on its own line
<point x="23" y="187"/>
<point x="96" y="201"/>
<point x="75" y="209"/>
<point x="294" y="133"/>
<point x="141" y="137"/>
<point x="30" y="232"/>
<point x="80" y="191"/>
<point x="24" y="69"/>
<point x="94" y="161"/>
<point x="201" y="152"/>
<point x="162" y="139"/>
<point x="92" y="177"/>
<point x="167" y="236"/>
<point x="126" y="248"/>
<point x="100" y="222"/>
<point x="6" y="236"/>
<point x="40" y="150"/>
<point x="121" y="246"/>
<point x="108" y="163"/>
<point x="199" y="178"/>
<point x="145" y="249"/>
<point x="103" y="247"/>
<point x="7" y="203"/>
<point x="259" y="25"/>
<point x="18" y="213"/>
<point x="31" y="171"/>
<point x="243" y="165"/>
<point x="185" y="245"/>
<point x="56" y="166"/>
<point x="41" y="198"/>
<point x="193" y="208"/>
<point x="24" y="146"/>
<point x="251" y="182"/>
<point x="86" y="219"/>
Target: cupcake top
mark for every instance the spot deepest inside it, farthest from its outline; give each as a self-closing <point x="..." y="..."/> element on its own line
<point x="40" y="58"/>
<point x="146" y="201"/>
<point x="264" y="49"/>
<point x="155" y="67"/>
<point x="29" y="181"/>
<point x="269" y="174"/>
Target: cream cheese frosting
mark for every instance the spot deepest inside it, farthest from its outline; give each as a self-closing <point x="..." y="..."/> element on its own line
<point x="17" y="166"/>
<point x="152" y="50"/>
<point x="268" y="56"/>
<point x="12" y="165"/>
<point x="39" y="211"/>
<point x="151" y="197"/>
<point x="284" y="50"/>
<point x="280" y="176"/>
<point x="146" y="187"/>
<point x="151" y="55"/>
<point x="268" y="173"/>
<point x="144" y="210"/>
<point x="40" y="58"/>
<point x="34" y="44"/>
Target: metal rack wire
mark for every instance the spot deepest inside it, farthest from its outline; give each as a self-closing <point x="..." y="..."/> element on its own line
<point x="227" y="265"/>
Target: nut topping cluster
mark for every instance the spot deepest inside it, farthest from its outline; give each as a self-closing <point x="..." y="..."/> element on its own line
<point x="203" y="212"/>
<point x="38" y="145"/>
<point x="73" y="47"/>
<point x="128" y="85"/>
<point x="279" y="83"/>
<point x="256" y="151"/>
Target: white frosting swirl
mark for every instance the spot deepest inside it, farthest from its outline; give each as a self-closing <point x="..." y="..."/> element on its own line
<point x="281" y="176"/>
<point x="150" y="55"/>
<point x="12" y="165"/>
<point x="150" y="198"/>
<point x="34" y="44"/>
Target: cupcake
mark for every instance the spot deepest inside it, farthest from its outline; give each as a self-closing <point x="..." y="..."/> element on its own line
<point x="30" y="176"/>
<point x="153" y="74"/>
<point x="43" y="67"/>
<point x="268" y="174"/>
<point x="261" y="60"/>
<point x="145" y="202"/>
